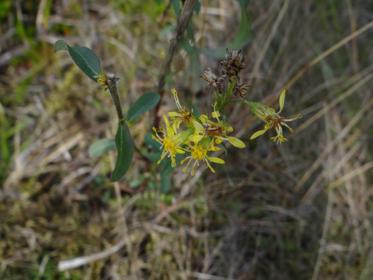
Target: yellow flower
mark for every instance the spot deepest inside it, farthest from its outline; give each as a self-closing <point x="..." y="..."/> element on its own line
<point x="195" y="137"/>
<point x="219" y="130"/>
<point x="199" y="153"/>
<point x="102" y="80"/>
<point x="272" y="119"/>
<point x="171" y="142"/>
<point x="182" y="115"/>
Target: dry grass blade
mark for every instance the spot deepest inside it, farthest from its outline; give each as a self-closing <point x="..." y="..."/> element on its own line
<point x="271" y="99"/>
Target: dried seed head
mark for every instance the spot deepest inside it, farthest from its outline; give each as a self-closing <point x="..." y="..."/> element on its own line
<point x="210" y="77"/>
<point x="233" y="63"/>
<point x="217" y="82"/>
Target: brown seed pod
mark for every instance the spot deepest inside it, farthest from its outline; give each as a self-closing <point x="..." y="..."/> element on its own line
<point x="233" y="63"/>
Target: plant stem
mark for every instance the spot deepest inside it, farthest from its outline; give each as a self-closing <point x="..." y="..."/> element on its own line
<point x="182" y="24"/>
<point x="112" y="86"/>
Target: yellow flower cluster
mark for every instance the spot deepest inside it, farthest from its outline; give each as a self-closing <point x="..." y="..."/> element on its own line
<point x="196" y="138"/>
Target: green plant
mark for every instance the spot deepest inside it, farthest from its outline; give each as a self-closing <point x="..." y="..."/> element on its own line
<point x="185" y="137"/>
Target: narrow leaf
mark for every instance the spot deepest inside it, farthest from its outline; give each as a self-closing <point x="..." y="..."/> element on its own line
<point x="166" y="175"/>
<point x="124" y="144"/>
<point x="216" y="160"/>
<point x="100" y="147"/>
<point x="258" y="133"/>
<point x="143" y="104"/>
<point x="236" y="142"/>
<point x="281" y="100"/>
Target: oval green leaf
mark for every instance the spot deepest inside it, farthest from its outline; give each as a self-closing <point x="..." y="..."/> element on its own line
<point x="257" y="134"/>
<point x="124" y="144"/>
<point x="143" y="104"/>
<point x="83" y="57"/>
<point x="86" y="60"/>
<point x="100" y="147"/>
<point x="60" y="45"/>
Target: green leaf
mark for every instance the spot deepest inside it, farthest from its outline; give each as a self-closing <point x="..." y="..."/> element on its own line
<point x="86" y="60"/>
<point x="100" y="147"/>
<point x="236" y="142"/>
<point x="124" y="144"/>
<point x="83" y="57"/>
<point x="166" y="176"/>
<point x="281" y="100"/>
<point x="60" y="45"/>
<point x="258" y="133"/>
<point x="216" y="160"/>
<point x="148" y="140"/>
<point x="143" y="104"/>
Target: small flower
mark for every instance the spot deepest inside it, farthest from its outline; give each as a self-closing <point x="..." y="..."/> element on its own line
<point x="199" y="153"/>
<point x="272" y="119"/>
<point x="102" y="80"/>
<point x="182" y="115"/>
<point x="171" y="142"/>
<point x="220" y="130"/>
<point x="194" y="137"/>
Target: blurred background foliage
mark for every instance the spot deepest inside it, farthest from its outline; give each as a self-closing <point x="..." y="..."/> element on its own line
<point x="301" y="210"/>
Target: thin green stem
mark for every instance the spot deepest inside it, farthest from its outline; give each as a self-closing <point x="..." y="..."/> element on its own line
<point x="112" y="87"/>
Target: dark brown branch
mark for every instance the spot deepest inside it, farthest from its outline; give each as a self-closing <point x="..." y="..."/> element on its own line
<point x="182" y="24"/>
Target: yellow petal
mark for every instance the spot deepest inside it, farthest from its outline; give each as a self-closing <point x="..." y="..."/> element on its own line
<point x="195" y="138"/>
<point x="169" y="130"/>
<point x="176" y="97"/>
<point x="236" y="142"/>
<point x="258" y="133"/>
<point x="281" y="100"/>
<point x="215" y="114"/>
<point x="174" y="114"/>
<point x="203" y="118"/>
<point x="213" y="148"/>
<point x="209" y="166"/>
<point x="216" y="160"/>
<point x="180" y="151"/>
<point x="293" y="118"/>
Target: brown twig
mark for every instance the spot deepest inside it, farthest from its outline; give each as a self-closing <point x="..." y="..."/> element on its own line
<point x="182" y="24"/>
